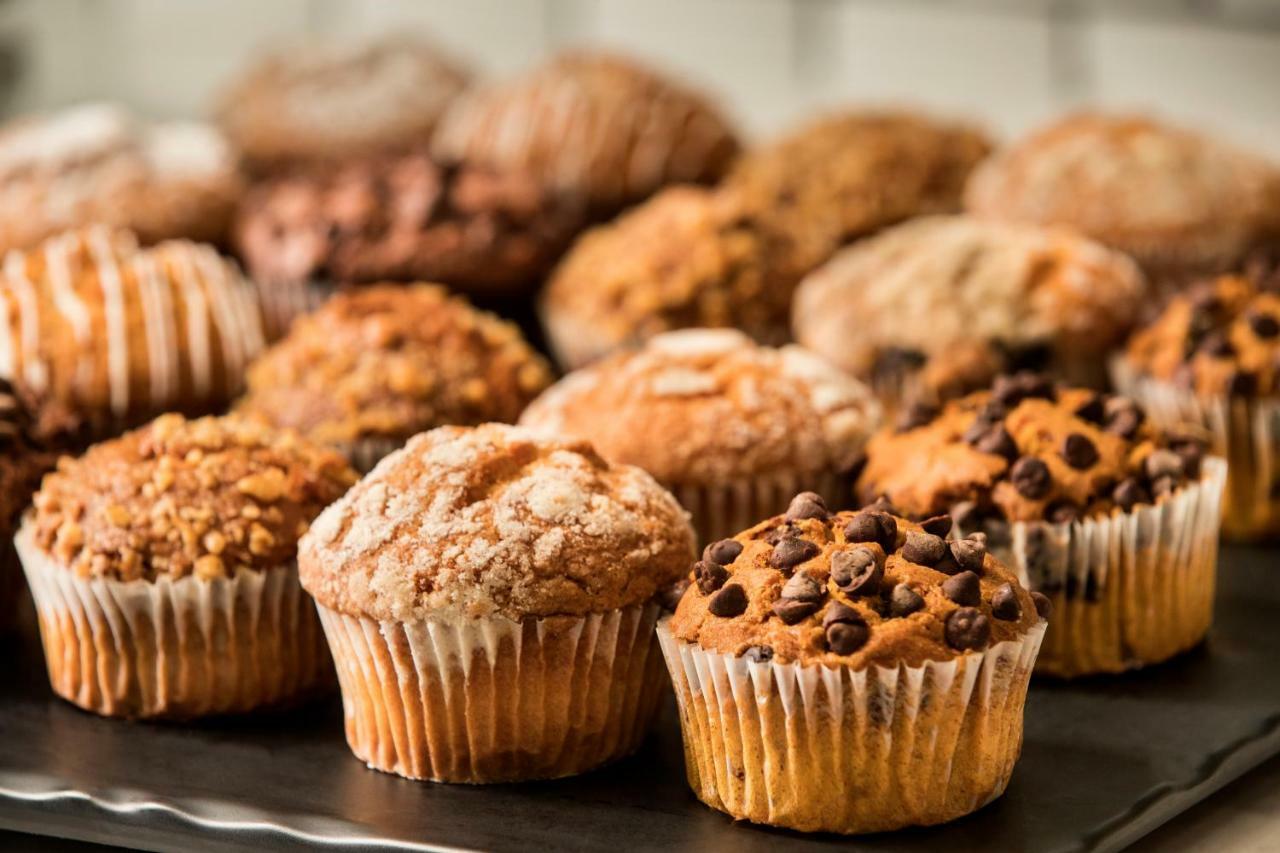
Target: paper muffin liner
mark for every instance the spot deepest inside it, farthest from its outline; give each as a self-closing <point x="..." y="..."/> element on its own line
<point x="724" y="510"/>
<point x="1128" y="590"/>
<point x="495" y="700"/>
<point x="176" y="648"/>
<point x="365" y="453"/>
<point x="284" y="301"/>
<point x="837" y="749"/>
<point x="1242" y="430"/>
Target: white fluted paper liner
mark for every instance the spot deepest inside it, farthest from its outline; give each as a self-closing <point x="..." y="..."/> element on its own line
<point x="835" y="749"/>
<point x="721" y="511"/>
<point x="1130" y="589"/>
<point x="284" y="301"/>
<point x="365" y="453"/>
<point x="1244" y="431"/>
<point x="176" y="648"/>
<point x="495" y="700"/>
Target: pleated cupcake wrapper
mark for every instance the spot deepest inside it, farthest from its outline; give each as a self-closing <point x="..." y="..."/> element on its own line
<point x="837" y="749"/>
<point x="1130" y="589"/>
<point x="723" y="510"/>
<point x="365" y="453"/>
<point x="494" y="700"/>
<point x="176" y="648"/>
<point x="284" y="301"/>
<point x="1244" y="431"/>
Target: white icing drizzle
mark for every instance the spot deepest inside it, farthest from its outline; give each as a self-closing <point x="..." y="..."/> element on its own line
<point x="8" y="354"/>
<point x="157" y="322"/>
<point x="68" y="303"/>
<point x="34" y="371"/>
<point x="113" y="310"/>
<point x="199" y="351"/>
<point x="213" y="276"/>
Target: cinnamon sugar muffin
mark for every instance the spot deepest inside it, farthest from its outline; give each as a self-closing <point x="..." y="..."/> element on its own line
<point x="1095" y="508"/>
<point x="731" y="428"/>
<point x="23" y="461"/>
<point x="489" y="598"/>
<point x="377" y="365"/>
<point x="1181" y="203"/>
<point x="851" y="672"/>
<point x="100" y="334"/>
<point x="1211" y="363"/>
<point x="942" y="304"/>
<point x="162" y="564"/>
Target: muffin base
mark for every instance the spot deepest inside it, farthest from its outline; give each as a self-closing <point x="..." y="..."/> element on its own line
<point x="822" y="749"/>
<point x="494" y="700"/>
<point x="724" y="510"/>
<point x="176" y="649"/>
<point x="283" y="302"/>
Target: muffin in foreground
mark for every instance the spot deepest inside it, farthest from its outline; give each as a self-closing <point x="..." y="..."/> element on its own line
<point x="1115" y="521"/>
<point x="851" y="672"/>
<point x="733" y="429"/>
<point x="163" y="567"/>
<point x="23" y="461"/>
<point x="1211" y="364"/>
<point x="490" y="598"/>
<point x="379" y="364"/>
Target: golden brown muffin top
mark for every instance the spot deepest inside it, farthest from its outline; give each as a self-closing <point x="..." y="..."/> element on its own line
<point x="390" y="361"/>
<point x="1026" y="451"/>
<point x="855" y="589"/>
<point x="849" y="174"/>
<point x="495" y="520"/>
<point x="1221" y="338"/>
<point x="711" y="406"/>
<point x="208" y="497"/>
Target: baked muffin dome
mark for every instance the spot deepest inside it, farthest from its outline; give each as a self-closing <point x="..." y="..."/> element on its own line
<point x="597" y="127"/>
<point x="494" y="520"/>
<point x="385" y="362"/>
<point x="1179" y="202"/>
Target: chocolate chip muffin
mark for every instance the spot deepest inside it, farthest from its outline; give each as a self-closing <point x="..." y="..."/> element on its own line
<point x="1211" y="363"/>
<point x="23" y="461"/>
<point x="377" y="365"/>
<point x="732" y="428"/>
<point x="943" y="304"/>
<point x="516" y="574"/>
<point x="814" y="653"/>
<point x="1183" y="204"/>
<point x="1093" y="505"/>
<point x="162" y="564"/>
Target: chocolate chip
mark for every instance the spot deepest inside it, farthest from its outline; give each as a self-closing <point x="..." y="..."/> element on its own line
<point x="1191" y="451"/>
<point x="723" y="552"/>
<point x="967" y="629"/>
<point x="802" y="587"/>
<point x="838" y="612"/>
<point x="1092" y="410"/>
<point x="730" y="601"/>
<point x="1264" y="325"/>
<point x="759" y="654"/>
<point x="872" y="526"/>
<point x="998" y="442"/>
<point x="1129" y="493"/>
<point x="1123" y="417"/>
<point x="791" y="610"/>
<point x="1078" y="451"/>
<point x="669" y="596"/>
<point x="969" y="554"/>
<point x="963" y="589"/>
<point x="1031" y="478"/>
<point x="1004" y="603"/>
<point x="883" y="504"/>
<point x="845" y="629"/>
<point x="1061" y="512"/>
<point x="904" y="601"/>
<point x="1162" y="486"/>
<point x="1242" y="384"/>
<point x="791" y="552"/>
<point x="1043" y="605"/>
<point x="1216" y="345"/>
<point x="938" y="525"/>
<point x="924" y="549"/>
<point x="1009" y="391"/>
<point x="786" y="530"/>
<point x="807" y="505"/>
<point x="915" y="415"/>
<point x="1162" y="463"/>
<point x="710" y="576"/>
<point x="857" y="571"/>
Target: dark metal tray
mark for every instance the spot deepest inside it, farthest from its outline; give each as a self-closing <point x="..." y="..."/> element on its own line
<point x="1106" y="760"/>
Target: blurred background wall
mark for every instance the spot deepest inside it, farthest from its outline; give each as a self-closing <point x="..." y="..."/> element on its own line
<point x="1215" y="63"/>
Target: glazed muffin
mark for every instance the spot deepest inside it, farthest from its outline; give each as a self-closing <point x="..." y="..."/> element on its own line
<point x="1211" y="364"/>
<point x="851" y="672"/>
<point x="1181" y="203"/>
<point x="1115" y="521"/>
<point x="731" y="428"/>
<point x="943" y="304"/>
<point x="683" y="259"/>
<point x="163" y="567"/>
<point x="850" y="174"/>
<point x="489" y="598"/>
<point x="595" y="127"/>
<point x="319" y="102"/>
<point x="377" y="365"/>
<point x="23" y="461"/>
<point x="97" y="164"/>
<point x="101" y="335"/>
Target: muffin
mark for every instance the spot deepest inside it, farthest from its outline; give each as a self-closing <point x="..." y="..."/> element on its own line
<point x="998" y="297"/>
<point x="1210" y="364"/>
<point x="1181" y="203"/>
<point x="489" y="598"/>
<point x="836" y="674"/>
<point x="97" y="164"/>
<point x="101" y="335"/>
<point x="1115" y="521"/>
<point x="163" y="567"/>
<point x="318" y="102"/>
<point x="23" y="461"/>
<point x="731" y="428"/>
<point x="598" y="128"/>
<point x="377" y="365"/>
<point x="683" y="259"/>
